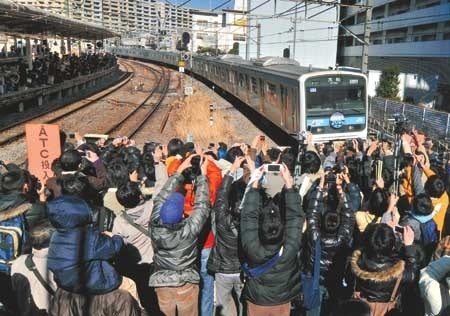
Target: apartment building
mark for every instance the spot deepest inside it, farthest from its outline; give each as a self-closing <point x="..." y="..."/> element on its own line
<point x="413" y="34"/>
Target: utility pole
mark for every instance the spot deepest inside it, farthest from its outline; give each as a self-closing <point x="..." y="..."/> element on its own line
<point x="217" y="43"/>
<point x="295" y="34"/>
<point x="367" y="29"/>
<point x="247" y="43"/>
<point x="258" y="42"/>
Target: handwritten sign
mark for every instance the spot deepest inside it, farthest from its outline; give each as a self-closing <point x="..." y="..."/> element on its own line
<point x="43" y="146"/>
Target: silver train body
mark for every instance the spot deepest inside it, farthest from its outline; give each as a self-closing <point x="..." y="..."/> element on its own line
<point x="332" y="104"/>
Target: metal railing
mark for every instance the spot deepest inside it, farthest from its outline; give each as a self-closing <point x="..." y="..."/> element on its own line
<point x="434" y="124"/>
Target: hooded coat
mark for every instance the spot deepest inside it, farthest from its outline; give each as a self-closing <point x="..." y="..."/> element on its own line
<point x="78" y="253"/>
<point x="176" y="245"/>
<point x="335" y="247"/>
<point x="281" y="282"/>
<point x="376" y="278"/>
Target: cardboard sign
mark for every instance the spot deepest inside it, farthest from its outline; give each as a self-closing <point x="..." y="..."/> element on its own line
<point x="43" y="146"/>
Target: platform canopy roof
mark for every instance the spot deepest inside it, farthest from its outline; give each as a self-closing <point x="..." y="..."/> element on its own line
<point x="17" y="19"/>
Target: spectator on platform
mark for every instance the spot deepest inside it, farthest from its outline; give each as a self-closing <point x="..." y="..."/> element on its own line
<point x="271" y="232"/>
<point x="32" y="282"/>
<point x="224" y="260"/>
<point x="175" y="241"/>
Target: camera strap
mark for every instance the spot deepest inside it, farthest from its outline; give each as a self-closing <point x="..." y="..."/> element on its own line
<point x="130" y="221"/>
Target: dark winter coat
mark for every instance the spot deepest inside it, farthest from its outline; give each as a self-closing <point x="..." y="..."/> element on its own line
<point x="224" y="255"/>
<point x="78" y="253"/>
<point x="335" y="246"/>
<point x="375" y="279"/>
<point x="35" y="212"/>
<point x="176" y="245"/>
<point x="281" y="283"/>
<point x="115" y="303"/>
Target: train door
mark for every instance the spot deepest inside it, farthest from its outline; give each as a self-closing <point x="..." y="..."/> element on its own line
<point x="261" y="95"/>
<point x="247" y="91"/>
<point x="283" y="105"/>
<point x="290" y="110"/>
<point x="254" y="95"/>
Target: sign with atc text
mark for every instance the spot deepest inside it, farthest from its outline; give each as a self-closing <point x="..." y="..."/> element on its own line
<point x="43" y="146"/>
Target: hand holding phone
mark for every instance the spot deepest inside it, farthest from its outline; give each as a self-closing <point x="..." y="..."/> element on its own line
<point x="272" y="168"/>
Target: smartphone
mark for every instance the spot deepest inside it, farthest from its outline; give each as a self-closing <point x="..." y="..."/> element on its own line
<point x="399" y="229"/>
<point x="262" y="138"/>
<point x="273" y="167"/>
<point x="211" y="145"/>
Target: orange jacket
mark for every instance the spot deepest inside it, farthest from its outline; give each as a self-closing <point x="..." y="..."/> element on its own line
<point x="214" y="175"/>
<point x="440" y="204"/>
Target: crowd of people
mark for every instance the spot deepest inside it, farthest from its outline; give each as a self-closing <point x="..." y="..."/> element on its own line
<point x="51" y="69"/>
<point x="241" y="229"/>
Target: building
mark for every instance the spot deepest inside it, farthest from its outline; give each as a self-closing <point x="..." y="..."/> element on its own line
<point x="306" y="31"/>
<point x="216" y="32"/>
<point x="413" y="34"/>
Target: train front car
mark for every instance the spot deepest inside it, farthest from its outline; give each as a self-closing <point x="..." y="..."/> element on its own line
<point x="333" y="105"/>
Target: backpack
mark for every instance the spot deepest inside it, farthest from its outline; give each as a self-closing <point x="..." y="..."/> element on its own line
<point x="12" y="236"/>
<point x="429" y="232"/>
<point x="429" y="236"/>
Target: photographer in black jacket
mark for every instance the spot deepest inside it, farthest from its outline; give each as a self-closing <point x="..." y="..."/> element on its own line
<point x="271" y="240"/>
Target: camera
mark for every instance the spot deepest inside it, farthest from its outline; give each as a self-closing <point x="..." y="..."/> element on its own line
<point x="399" y="229"/>
<point x="333" y="172"/>
<point x="272" y="168"/>
<point x="192" y="172"/>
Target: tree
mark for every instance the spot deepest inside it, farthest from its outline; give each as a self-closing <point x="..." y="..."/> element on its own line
<point x="209" y="51"/>
<point x="388" y="86"/>
<point x="235" y="49"/>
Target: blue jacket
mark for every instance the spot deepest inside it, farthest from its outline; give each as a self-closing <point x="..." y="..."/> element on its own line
<point x="79" y="253"/>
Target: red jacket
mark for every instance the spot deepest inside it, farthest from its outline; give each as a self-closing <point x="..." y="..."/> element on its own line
<point x="214" y="175"/>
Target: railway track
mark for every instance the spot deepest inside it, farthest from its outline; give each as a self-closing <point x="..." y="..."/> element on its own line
<point x="133" y="122"/>
<point x="16" y="130"/>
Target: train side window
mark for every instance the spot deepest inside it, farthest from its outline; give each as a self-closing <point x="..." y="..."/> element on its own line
<point x="254" y="85"/>
<point x="271" y="93"/>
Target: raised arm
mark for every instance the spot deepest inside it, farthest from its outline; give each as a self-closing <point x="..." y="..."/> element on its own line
<point x="169" y="187"/>
<point x="201" y="209"/>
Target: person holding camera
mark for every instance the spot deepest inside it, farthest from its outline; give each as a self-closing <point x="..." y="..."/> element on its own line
<point x="175" y="242"/>
<point x="224" y="260"/>
<point x="271" y="240"/>
<point x="333" y="229"/>
<point x="383" y="268"/>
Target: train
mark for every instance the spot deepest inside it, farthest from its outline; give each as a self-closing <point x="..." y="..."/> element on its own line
<point x="331" y="104"/>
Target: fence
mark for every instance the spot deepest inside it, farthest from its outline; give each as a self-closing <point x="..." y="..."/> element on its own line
<point x="434" y="124"/>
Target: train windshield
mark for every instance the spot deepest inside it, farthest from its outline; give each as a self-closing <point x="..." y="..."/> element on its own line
<point x="335" y="103"/>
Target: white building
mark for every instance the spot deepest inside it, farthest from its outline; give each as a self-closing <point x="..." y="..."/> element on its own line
<point x="216" y="30"/>
<point x="307" y="29"/>
<point x="413" y="34"/>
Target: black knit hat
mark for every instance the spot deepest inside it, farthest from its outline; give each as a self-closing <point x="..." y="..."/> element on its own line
<point x="271" y="227"/>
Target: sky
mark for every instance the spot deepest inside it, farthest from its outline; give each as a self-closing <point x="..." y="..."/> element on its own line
<point x="205" y="4"/>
